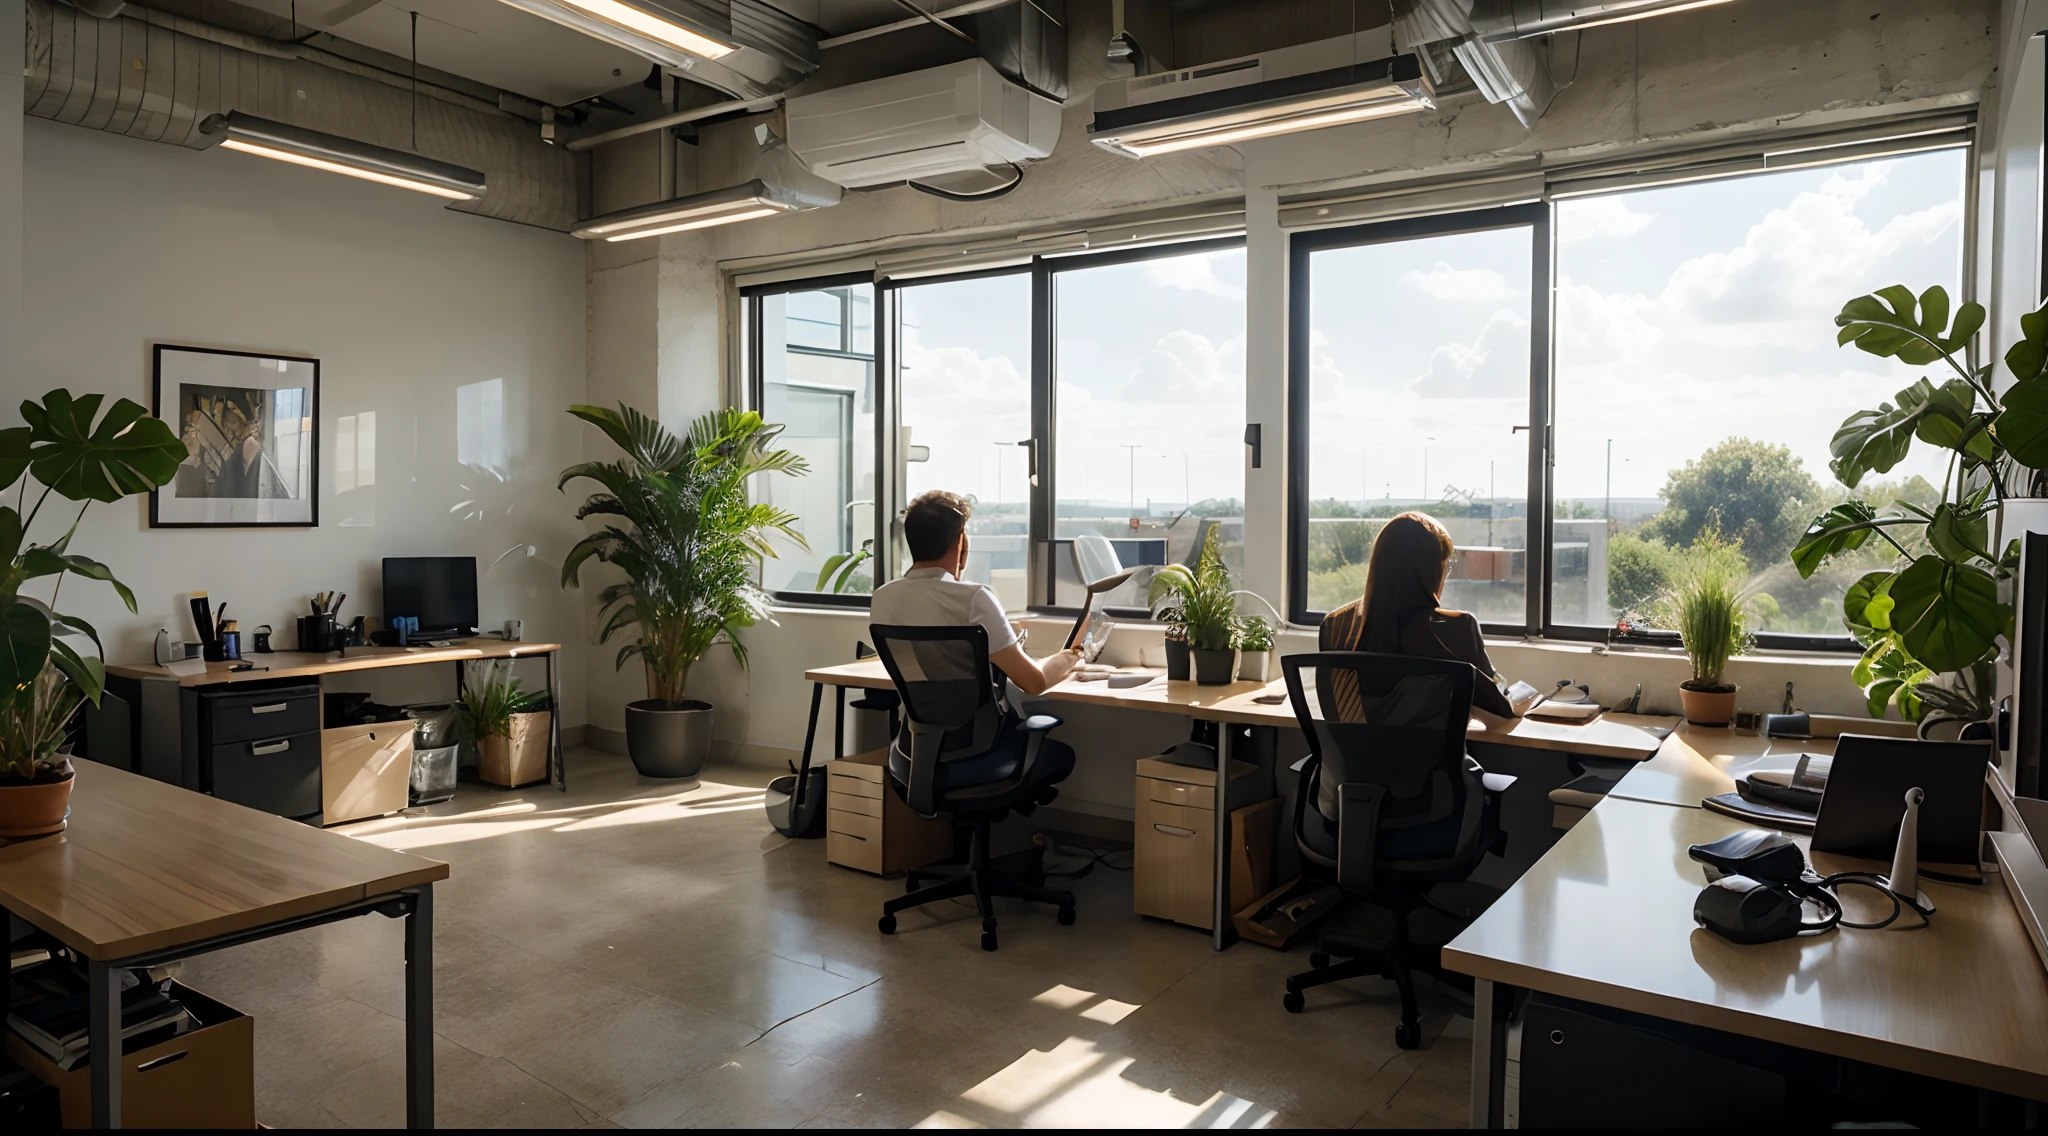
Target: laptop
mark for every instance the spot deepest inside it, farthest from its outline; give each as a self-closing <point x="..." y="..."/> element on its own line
<point x="1866" y="798"/>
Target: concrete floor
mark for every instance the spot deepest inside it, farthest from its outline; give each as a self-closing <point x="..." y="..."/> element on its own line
<point x="632" y="955"/>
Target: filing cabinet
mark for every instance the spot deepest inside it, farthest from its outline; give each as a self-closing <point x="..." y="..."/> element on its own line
<point x="869" y="828"/>
<point x="1173" y="873"/>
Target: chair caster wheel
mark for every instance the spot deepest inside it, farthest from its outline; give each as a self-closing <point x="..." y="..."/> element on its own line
<point x="1293" y="1001"/>
<point x="1066" y="917"/>
<point x="886" y="924"/>
<point x="1319" y="959"/>
<point x="988" y="940"/>
<point x="1408" y="1035"/>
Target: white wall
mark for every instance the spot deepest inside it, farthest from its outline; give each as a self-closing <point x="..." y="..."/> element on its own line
<point x="130" y="243"/>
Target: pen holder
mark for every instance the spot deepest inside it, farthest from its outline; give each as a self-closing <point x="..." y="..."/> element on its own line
<point x="226" y="648"/>
<point x="316" y="633"/>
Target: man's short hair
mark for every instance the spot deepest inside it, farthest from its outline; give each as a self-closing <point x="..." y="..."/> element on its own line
<point x="933" y="522"/>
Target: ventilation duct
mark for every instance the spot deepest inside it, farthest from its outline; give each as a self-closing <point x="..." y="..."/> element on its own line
<point x="157" y="77"/>
<point x="781" y="185"/>
<point x="1492" y="39"/>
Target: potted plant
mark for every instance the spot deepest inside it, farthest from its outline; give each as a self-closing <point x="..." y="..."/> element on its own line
<point x="46" y="671"/>
<point x="1930" y="621"/>
<point x="1204" y="612"/>
<point x="688" y="539"/>
<point x="1255" y="649"/>
<point x="1706" y="606"/>
<point x="508" y="725"/>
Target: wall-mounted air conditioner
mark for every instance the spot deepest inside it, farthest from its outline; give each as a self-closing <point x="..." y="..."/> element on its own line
<point x="1304" y="87"/>
<point x="944" y="120"/>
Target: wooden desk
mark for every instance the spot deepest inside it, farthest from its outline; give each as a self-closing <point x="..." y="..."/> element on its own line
<point x="1606" y="916"/>
<point x="192" y="673"/>
<point x="146" y="873"/>
<point x="1697" y="762"/>
<point x="1620" y="736"/>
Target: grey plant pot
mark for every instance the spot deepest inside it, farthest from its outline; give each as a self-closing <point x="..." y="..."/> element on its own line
<point x="1215" y="668"/>
<point x="665" y="742"/>
<point x="1176" y="661"/>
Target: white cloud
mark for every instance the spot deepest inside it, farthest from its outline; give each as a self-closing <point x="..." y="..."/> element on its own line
<point x="1446" y="283"/>
<point x="1496" y="365"/>
<point x="1192" y="274"/>
<point x="1185" y="367"/>
<point x="1599" y="217"/>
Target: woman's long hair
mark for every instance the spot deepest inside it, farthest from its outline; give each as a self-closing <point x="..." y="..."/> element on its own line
<point x="1405" y="575"/>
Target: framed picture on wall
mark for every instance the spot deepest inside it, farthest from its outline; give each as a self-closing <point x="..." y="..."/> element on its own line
<point x="251" y="427"/>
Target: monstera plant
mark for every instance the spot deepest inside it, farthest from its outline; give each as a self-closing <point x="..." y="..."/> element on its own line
<point x="50" y="662"/>
<point x="1930" y="621"/>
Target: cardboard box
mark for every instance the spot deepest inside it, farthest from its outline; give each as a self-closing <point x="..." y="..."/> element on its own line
<point x="520" y="759"/>
<point x="203" y="1078"/>
<point x="1291" y="919"/>
<point x="1254" y="832"/>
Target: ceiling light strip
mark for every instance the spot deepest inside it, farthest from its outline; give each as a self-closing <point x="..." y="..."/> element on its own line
<point x="639" y="26"/>
<point x="263" y="138"/>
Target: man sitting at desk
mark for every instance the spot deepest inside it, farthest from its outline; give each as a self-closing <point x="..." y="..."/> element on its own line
<point x="931" y="594"/>
<point x="1401" y="614"/>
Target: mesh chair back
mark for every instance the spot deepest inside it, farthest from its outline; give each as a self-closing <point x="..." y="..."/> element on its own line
<point x="1396" y="721"/>
<point x="951" y="704"/>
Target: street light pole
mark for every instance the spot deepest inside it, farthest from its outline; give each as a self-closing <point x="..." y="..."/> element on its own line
<point x="1607" y="510"/>
<point x="1134" y="448"/>
<point x="1425" y="469"/>
<point x="1000" y="448"/>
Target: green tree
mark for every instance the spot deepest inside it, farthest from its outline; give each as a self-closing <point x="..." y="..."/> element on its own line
<point x="1760" y="495"/>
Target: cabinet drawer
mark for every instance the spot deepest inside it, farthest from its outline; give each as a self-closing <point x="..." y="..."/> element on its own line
<point x="1173" y="871"/>
<point x="851" y="851"/>
<point x="260" y="714"/>
<point x="839" y="784"/>
<point x="865" y="766"/>
<point x="365" y="770"/>
<point x="868" y="828"/>
<point x="1151" y="812"/>
<point x="864" y="806"/>
<point x="279" y="776"/>
<point x="1177" y="793"/>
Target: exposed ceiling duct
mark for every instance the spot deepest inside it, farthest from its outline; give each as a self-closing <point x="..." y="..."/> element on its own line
<point x="148" y="75"/>
<point x="781" y="184"/>
<point x="1493" y="40"/>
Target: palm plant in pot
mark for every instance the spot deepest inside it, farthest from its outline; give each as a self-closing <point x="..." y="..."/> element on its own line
<point x="682" y="529"/>
<point x="1930" y="620"/>
<point x="46" y="672"/>
<point x="1706" y="605"/>
<point x="1204" y="610"/>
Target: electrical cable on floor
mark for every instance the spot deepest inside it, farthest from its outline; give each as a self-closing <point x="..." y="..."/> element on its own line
<point x="1093" y="856"/>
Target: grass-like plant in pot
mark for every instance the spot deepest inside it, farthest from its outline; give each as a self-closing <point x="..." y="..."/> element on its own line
<point x="46" y="670"/>
<point x="1254" y="648"/>
<point x="682" y="528"/>
<point x="1706" y="606"/>
<point x="1204" y="610"/>
<point x="508" y="725"/>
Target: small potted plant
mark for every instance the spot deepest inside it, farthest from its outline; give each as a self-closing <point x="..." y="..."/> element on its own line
<point x="681" y="526"/>
<point x="1255" y="649"/>
<point x="51" y="663"/>
<point x="508" y="725"/>
<point x="1205" y="614"/>
<point x="1707" y="607"/>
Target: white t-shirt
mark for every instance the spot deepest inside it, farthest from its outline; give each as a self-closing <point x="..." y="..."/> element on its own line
<point x="932" y="597"/>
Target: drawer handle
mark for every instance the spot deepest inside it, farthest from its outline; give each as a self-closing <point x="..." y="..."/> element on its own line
<point x="273" y="708"/>
<point x="161" y="1061"/>
<point x="1174" y="830"/>
<point x="273" y="747"/>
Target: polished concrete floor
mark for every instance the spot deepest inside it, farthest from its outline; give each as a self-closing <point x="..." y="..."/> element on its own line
<point x="629" y="954"/>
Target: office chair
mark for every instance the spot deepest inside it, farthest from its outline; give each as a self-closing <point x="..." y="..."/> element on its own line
<point x="958" y="752"/>
<point x="1389" y="805"/>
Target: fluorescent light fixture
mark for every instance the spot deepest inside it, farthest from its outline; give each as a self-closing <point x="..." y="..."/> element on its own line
<point x="1570" y="19"/>
<point x="647" y="27"/>
<point x="346" y="156"/>
<point x="1221" y="118"/>
<point x="747" y="202"/>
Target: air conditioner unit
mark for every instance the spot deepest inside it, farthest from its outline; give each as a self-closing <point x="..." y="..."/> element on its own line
<point x="963" y="116"/>
<point x="1304" y="87"/>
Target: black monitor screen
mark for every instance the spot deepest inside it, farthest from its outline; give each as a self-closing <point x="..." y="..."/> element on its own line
<point x="439" y="591"/>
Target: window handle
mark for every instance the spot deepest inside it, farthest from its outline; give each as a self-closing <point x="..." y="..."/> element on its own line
<point x="1517" y="429"/>
<point x="1030" y="459"/>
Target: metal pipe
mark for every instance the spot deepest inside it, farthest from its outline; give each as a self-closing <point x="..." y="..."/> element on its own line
<point x="680" y="117"/>
<point x="958" y="10"/>
<point x="936" y="19"/>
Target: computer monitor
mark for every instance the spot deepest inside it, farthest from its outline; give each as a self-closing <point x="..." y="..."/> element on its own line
<point x="439" y="591"/>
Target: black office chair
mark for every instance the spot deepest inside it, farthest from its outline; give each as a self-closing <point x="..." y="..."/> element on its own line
<point x="1389" y="805"/>
<point x="959" y="753"/>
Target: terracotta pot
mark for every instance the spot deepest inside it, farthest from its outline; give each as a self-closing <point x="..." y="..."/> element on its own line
<point x="34" y="810"/>
<point x="1177" y="661"/>
<point x="1707" y="707"/>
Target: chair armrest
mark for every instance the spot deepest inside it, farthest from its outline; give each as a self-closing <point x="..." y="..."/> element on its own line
<point x="1300" y="765"/>
<point x="1038" y="723"/>
<point x="1035" y="728"/>
<point x="1358" y="832"/>
<point x="1496" y="783"/>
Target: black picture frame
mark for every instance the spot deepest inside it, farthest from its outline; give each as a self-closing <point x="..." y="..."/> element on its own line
<point x="167" y="509"/>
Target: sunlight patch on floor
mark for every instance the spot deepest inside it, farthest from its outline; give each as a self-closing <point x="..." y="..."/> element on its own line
<point x="404" y="833"/>
<point x="1079" y="1085"/>
<point x="1108" y="1011"/>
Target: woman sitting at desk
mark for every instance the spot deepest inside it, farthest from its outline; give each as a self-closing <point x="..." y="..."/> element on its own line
<point x="1400" y="614"/>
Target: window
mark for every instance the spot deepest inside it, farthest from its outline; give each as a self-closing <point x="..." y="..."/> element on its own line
<point x="1415" y="364"/>
<point x="814" y="348"/>
<point x="1149" y="402"/>
<point x="1698" y="381"/>
<point x="964" y="380"/>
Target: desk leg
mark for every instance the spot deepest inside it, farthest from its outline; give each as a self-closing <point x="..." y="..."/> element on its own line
<point x="558" y="770"/>
<point x="104" y="1049"/>
<point x="803" y="773"/>
<point x="1220" y="900"/>
<point x="419" y="1010"/>
<point x="838" y="722"/>
<point x="1490" y="1004"/>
